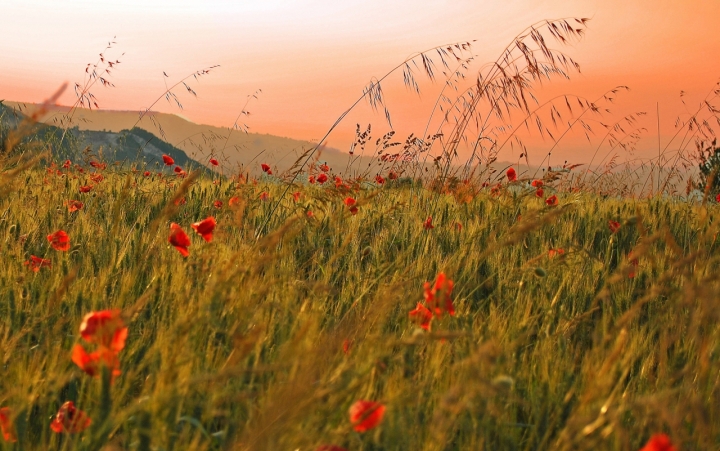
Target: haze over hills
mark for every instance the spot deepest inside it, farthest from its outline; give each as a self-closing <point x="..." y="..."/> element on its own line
<point x="234" y="148"/>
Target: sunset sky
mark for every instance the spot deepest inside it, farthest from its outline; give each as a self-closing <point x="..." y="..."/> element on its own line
<point x="312" y="58"/>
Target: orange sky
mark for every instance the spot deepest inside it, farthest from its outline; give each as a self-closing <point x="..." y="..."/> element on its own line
<point x="312" y="58"/>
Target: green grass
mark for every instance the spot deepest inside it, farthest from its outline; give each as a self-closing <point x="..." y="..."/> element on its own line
<point x="240" y="345"/>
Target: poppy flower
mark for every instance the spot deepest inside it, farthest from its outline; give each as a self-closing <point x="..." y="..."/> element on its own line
<point x="181" y="201"/>
<point x="421" y="315"/>
<point x="218" y="204"/>
<point x="168" y="160"/>
<point x="70" y="419"/>
<point x="539" y="192"/>
<point x="511" y="174"/>
<point x="551" y="201"/>
<point x="60" y="241"/>
<point x="264" y="196"/>
<point x="366" y="415"/>
<point x="717" y="198"/>
<point x="205" y="228"/>
<point x="338" y="181"/>
<point x="330" y="448"/>
<point x="537" y="183"/>
<point x="266" y="169"/>
<point x="233" y="200"/>
<point x="427" y="225"/>
<point x="322" y="178"/>
<point x="85" y="189"/>
<point x="310" y="214"/>
<point x="179" y="239"/>
<point x="105" y="328"/>
<point x="214" y="162"/>
<point x="6" y="426"/>
<point x="74" y="205"/>
<point x="178" y="169"/>
<point x="393" y="175"/>
<point x="350" y="202"/>
<point x="35" y="263"/>
<point x="324" y="167"/>
<point x="614" y="226"/>
<point x="146" y="174"/>
<point x="458" y="226"/>
<point x="97" y="178"/>
<point x="554" y="252"/>
<point x="658" y="442"/>
<point x="97" y="165"/>
<point x="379" y="179"/>
<point x="92" y="363"/>
<point x="635" y="263"/>
<point x="296" y="196"/>
<point x="67" y="164"/>
<point x="437" y="296"/>
<point x="347" y="344"/>
<point x="311" y="179"/>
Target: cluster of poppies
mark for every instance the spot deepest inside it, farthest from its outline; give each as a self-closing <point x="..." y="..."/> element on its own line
<point x="181" y="241"/>
<point x="438" y="300"/>
<point x="60" y="241"/>
<point x="169" y="161"/>
<point x="537" y="184"/>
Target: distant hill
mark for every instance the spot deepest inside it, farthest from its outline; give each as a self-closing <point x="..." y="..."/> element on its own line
<point x="136" y="145"/>
<point x="235" y="149"/>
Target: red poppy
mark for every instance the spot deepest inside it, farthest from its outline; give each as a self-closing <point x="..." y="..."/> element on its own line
<point x="322" y="178"/>
<point x="635" y="263"/>
<point x="614" y="226"/>
<point x="717" y="198"/>
<point x="205" y="228"/>
<point x="310" y="214"/>
<point x="181" y="201"/>
<point x="146" y="173"/>
<point x="537" y="183"/>
<point x="437" y="296"/>
<point x="324" y="167"/>
<point x="379" y="179"/>
<point x="97" y="178"/>
<point x="458" y="226"/>
<point x="74" y="205"/>
<point x="67" y="164"/>
<point x="218" y="204"/>
<point x="6" y="426"/>
<point x="554" y="252"/>
<point x="60" y="241"/>
<point x="658" y="442"/>
<point x="264" y="196"/>
<point x="421" y="315"/>
<point x="70" y="419"/>
<point x="347" y="344"/>
<point x="296" y="196"/>
<point x="168" y="160"/>
<point x="427" y="225"/>
<point x="85" y="189"/>
<point x="338" y="181"/>
<point x="539" y="192"/>
<point x="393" y="175"/>
<point x="551" y="201"/>
<point x="35" y="263"/>
<point x="350" y="202"/>
<point x="178" y="169"/>
<point x="105" y="328"/>
<point x="214" y="162"/>
<point x="233" y="200"/>
<point x="266" y="168"/>
<point x="311" y="179"/>
<point x="366" y="415"/>
<point x="97" y="165"/>
<point x="93" y="362"/>
<point x="511" y="174"/>
<point x="179" y="239"/>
